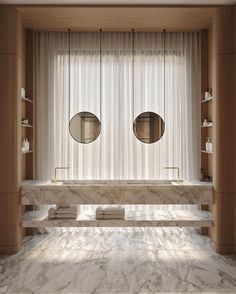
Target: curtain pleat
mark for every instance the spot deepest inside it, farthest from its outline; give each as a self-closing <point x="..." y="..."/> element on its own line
<point x="117" y="154"/>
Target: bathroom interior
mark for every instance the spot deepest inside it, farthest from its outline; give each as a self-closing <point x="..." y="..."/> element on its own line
<point x="118" y="146"/>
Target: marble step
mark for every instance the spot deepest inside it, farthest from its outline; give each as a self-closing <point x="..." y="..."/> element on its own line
<point x="158" y="218"/>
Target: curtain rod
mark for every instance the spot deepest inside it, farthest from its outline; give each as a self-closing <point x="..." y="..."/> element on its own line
<point x="116" y="31"/>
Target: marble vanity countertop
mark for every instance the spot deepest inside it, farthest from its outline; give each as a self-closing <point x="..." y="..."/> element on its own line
<point x="116" y="192"/>
<point x="119" y="183"/>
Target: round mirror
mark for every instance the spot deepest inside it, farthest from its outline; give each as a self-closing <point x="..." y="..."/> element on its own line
<point x="85" y="127"/>
<point x="148" y="127"/>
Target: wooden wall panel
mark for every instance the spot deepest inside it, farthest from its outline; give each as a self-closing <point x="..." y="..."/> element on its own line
<point x="224" y="119"/>
<point x="10" y="223"/>
<point x="234" y="155"/>
<point x="210" y="50"/>
<point x="223" y="31"/>
<point x="11" y="34"/>
<point x="223" y="223"/>
<point x="10" y="84"/>
<point x="11" y="54"/>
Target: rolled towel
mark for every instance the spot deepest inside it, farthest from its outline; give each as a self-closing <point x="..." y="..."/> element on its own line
<point x="114" y="210"/>
<point x="72" y="209"/>
<point x="63" y="216"/>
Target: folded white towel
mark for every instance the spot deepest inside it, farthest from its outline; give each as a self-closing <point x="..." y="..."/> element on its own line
<point x="63" y="215"/>
<point x="114" y="210"/>
<point x="72" y="209"/>
<point x="111" y="216"/>
<point x="63" y="205"/>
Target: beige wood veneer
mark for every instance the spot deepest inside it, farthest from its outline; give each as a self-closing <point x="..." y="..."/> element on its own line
<point x="224" y="118"/>
<point x="110" y="18"/>
<point x="11" y="51"/>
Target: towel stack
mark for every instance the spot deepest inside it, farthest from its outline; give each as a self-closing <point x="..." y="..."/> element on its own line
<point x="116" y="212"/>
<point x="63" y="211"/>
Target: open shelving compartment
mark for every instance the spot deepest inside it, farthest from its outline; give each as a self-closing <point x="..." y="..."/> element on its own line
<point x="206" y="111"/>
<point x="133" y="218"/>
<point x="28" y="112"/>
<point x="28" y="109"/>
<point x="206" y="107"/>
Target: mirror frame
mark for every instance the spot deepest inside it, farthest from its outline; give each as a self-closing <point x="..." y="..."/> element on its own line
<point x="92" y="114"/>
<point x="134" y="122"/>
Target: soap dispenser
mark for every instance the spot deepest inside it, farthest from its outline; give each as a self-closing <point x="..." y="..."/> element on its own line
<point x="208" y="144"/>
<point x="27" y="145"/>
<point x="23" y="145"/>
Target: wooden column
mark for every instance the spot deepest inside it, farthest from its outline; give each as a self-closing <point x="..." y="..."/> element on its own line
<point x="234" y="34"/>
<point x="224" y="134"/>
<point x="11" y="52"/>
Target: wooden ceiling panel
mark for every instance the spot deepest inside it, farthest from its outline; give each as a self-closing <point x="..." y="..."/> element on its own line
<point x="143" y="18"/>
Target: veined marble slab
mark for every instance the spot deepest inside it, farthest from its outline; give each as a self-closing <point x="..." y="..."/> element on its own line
<point x="112" y="261"/>
<point x="160" y="218"/>
<point x="116" y="192"/>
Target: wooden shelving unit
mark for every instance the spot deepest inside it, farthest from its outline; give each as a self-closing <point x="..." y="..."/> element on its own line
<point x="27" y="131"/>
<point x="208" y="152"/>
<point x="207" y="100"/>
<point x="27" y="126"/>
<point x="206" y="108"/>
<point x="206" y="132"/>
<point x="210" y="126"/>
<point x="26" y="152"/>
<point x="27" y="100"/>
<point x="28" y="112"/>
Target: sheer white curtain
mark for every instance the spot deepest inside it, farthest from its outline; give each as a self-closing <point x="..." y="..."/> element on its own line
<point x="117" y="154"/>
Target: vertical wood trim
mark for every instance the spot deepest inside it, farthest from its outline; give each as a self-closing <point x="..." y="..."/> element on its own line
<point x="11" y="54"/>
<point x="224" y="117"/>
<point x="234" y="158"/>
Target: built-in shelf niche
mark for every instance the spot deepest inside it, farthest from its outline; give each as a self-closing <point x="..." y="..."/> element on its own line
<point x="206" y="112"/>
<point x="28" y="109"/>
<point x="206" y="106"/>
<point x="206" y="132"/>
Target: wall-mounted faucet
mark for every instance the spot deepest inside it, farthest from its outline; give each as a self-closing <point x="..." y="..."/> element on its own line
<point x="57" y="168"/>
<point x="174" y="167"/>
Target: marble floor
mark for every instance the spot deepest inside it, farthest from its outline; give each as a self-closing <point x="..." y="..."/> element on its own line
<point x="117" y="260"/>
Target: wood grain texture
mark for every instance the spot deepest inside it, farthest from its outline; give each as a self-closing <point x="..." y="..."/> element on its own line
<point x="11" y="64"/>
<point x="10" y="30"/>
<point x="223" y="72"/>
<point x="224" y="116"/>
<point x="10" y="222"/>
<point x="234" y="29"/>
<point x="204" y="62"/>
<point x="10" y="84"/>
<point x="116" y="18"/>
<point x="210" y="50"/>
<point x="234" y="155"/>
<point x="223" y="31"/>
<point x="223" y="223"/>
